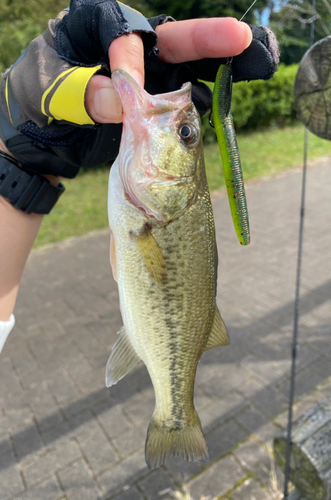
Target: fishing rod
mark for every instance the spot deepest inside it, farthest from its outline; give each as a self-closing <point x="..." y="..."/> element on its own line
<point x="297" y="293"/>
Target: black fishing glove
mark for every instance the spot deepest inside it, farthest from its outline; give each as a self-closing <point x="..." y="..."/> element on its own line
<point x="43" y="121"/>
<point x="258" y="62"/>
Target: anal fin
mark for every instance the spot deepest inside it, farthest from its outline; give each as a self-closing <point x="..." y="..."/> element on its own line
<point x="219" y="334"/>
<point x="122" y="359"/>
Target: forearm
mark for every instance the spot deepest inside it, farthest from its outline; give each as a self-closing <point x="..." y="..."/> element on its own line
<point x="18" y="231"/>
<point x="17" y="234"/>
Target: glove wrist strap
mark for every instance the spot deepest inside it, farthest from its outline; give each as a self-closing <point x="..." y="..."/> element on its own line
<point x="27" y="192"/>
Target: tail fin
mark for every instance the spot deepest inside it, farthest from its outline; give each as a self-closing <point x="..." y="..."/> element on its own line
<point x="163" y="442"/>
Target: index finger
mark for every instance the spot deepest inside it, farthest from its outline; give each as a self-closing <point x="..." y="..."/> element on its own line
<point x="202" y="38"/>
<point x="127" y="52"/>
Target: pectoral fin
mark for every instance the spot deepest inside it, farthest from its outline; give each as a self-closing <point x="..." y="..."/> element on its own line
<point x="218" y="335"/>
<point x="152" y="255"/>
<point x="122" y="359"/>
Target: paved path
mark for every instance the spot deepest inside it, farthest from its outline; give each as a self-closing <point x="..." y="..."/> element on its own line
<point x="63" y="435"/>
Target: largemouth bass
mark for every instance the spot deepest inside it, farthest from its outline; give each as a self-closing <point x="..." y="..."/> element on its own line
<point x="164" y="258"/>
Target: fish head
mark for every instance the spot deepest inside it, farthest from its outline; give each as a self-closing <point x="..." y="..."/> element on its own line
<point x="160" y="150"/>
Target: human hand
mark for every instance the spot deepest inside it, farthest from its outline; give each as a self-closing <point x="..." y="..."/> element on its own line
<point x="177" y="42"/>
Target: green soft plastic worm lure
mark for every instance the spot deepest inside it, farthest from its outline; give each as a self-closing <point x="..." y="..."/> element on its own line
<point x="226" y="136"/>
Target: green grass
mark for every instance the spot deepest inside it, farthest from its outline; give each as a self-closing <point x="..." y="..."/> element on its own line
<point x="265" y="153"/>
<point x="83" y="207"/>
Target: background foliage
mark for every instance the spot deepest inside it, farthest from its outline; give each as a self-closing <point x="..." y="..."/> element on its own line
<point x="261" y="104"/>
<point x="255" y="104"/>
<point x="205" y="8"/>
<point x="21" y="20"/>
<point x="291" y="20"/>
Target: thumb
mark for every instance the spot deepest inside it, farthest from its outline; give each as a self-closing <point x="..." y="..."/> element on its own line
<point x="102" y="102"/>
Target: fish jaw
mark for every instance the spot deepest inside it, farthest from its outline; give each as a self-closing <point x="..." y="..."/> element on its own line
<point x="158" y="168"/>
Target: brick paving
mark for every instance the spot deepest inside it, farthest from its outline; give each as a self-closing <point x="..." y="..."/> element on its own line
<point x="64" y="436"/>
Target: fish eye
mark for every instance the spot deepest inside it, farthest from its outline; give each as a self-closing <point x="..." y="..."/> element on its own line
<point x="188" y="133"/>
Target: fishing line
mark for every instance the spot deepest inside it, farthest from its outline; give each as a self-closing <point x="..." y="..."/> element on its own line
<point x="297" y="293"/>
<point x="249" y="8"/>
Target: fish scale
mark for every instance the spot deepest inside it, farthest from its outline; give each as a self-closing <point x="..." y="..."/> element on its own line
<point x="137" y="288"/>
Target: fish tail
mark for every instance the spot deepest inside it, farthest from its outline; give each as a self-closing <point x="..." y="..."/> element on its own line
<point x="164" y="441"/>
